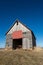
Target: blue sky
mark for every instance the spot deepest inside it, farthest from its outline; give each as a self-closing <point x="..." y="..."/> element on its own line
<point x="29" y="12"/>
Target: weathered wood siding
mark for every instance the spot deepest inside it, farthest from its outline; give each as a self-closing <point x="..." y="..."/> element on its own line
<point x="27" y="40"/>
<point x="18" y="27"/>
<point x="33" y="41"/>
<point x="9" y="40"/>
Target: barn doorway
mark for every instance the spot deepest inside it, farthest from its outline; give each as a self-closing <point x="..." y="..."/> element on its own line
<point x="17" y="43"/>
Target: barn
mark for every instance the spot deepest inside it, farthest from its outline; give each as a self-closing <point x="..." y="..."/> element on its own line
<point x="20" y="36"/>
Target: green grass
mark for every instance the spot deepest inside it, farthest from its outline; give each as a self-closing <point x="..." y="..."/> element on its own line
<point x="21" y="57"/>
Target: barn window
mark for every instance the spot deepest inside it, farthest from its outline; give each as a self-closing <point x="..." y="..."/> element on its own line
<point x="17" y="22"/>
<point x="24" y="32"/>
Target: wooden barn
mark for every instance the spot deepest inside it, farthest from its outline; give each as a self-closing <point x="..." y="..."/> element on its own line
<point x="20" y="36"/>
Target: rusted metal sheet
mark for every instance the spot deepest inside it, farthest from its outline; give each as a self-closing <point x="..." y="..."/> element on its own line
<point x="17" y="34"/>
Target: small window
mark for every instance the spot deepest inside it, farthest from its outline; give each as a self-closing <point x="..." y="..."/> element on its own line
<point x="17" y="22"/>
<point x="24" y="32"/>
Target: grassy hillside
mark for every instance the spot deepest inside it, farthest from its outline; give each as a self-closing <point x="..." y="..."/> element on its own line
<point x="21" y="57"/>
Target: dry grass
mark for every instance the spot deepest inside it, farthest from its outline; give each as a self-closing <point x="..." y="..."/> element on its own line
<point x="21" y="57"/>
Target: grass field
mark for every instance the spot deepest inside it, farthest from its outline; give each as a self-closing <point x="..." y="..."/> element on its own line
<point x="21" y="57"/>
